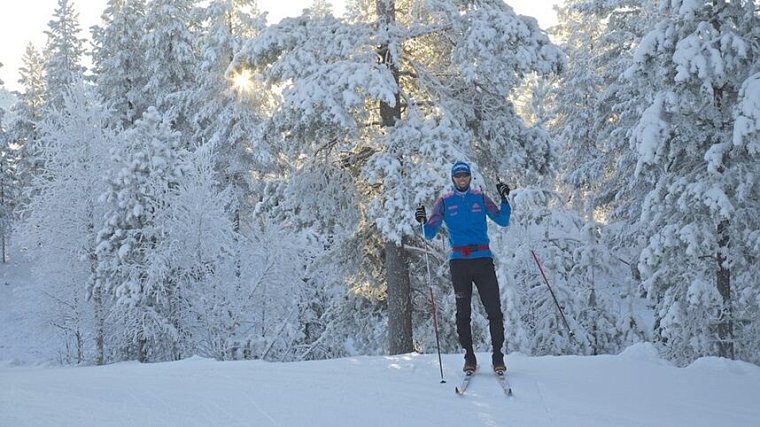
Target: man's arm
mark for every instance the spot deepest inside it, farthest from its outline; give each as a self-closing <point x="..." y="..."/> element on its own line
<point x="435" y="221"/>
<point x="498" y="214"/>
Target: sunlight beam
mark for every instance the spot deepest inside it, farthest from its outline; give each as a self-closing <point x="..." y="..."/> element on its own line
<point x="241" y="81"/>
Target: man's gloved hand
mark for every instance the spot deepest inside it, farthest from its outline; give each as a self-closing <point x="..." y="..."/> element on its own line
<point x="420" y="215"/>
<point x="503" y="190"/>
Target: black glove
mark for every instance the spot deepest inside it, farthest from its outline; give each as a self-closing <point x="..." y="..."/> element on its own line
<point x="503" y="190"/>
<point x="420" y="215"/>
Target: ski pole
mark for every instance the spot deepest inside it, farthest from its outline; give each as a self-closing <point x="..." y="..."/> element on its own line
<point x="432" y="300"/>
<point x="564" y="320"/>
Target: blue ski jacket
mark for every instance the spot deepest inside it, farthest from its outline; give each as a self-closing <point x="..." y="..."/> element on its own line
<point x="464" y="213"/>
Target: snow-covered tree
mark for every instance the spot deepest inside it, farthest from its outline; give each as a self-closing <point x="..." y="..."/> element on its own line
<point x="118" y="60"/>
<point x="62" y="217"/>
<point x="9" y="182"/>
<point x="575" y="105"/>
<point x="167" y="45"/>
<point x="741" y="159"/>
<point x="133" y="252"/>
<point x="243" y="296"/>
<point x="64" y="51"/>
<point x="196" y="245"/>
<point x="393" y="95"/>
<point x="229" y="109"/>
<point x="698" y="57"/>
<point x="594" y="106"/>
<point x="618" y="197"/>
<point x="28" y="112"/>
<point x="593" y="275"/>
<point x="534" y="324"/>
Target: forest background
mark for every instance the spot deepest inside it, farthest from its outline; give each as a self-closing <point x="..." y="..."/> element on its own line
<point x="221" y="187"/>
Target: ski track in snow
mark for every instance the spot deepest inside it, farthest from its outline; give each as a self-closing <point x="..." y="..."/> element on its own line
<point x="634" y="389"/>
<point x="542" y="400"/>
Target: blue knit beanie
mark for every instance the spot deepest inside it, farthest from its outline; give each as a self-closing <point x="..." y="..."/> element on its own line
<point x="460" y="167"/>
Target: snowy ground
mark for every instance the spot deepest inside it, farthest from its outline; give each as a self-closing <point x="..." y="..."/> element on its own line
<point x="635" y="388"/>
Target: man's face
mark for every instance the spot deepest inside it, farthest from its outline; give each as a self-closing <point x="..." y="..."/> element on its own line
<point x="462" y="180"/>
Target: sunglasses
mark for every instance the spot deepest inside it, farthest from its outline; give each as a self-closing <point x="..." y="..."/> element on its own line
<point x="461" y="175"/>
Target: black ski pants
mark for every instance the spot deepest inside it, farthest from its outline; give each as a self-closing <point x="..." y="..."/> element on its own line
<point x="481" y="272"/>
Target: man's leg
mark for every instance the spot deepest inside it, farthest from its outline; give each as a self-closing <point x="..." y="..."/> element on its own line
<point x="461" y="280"/>
<point x="488" y="289"/>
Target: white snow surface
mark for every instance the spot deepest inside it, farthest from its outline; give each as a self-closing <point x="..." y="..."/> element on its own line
<point x="635" y="388"/>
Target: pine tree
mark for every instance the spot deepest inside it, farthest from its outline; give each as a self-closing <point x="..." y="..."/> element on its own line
<point x="738" y="160"/>
<point x="28" y="112"/>
<point x="697" y="57"/>
<point x="229" y="109"/>
<point x="576" y="96"/>
<point x="64" y="51"/>
<point x="372" y="94"/>
<point x="592" y="275"/>
<point x="168" y="54"/>
<point x="595" y="106"/>
<point x="133" y="258"/>
<point x="118" y="60"/>
<point x="620" y="197"/>
<point x="9" y="183"/>
<point x="534" y="323"/>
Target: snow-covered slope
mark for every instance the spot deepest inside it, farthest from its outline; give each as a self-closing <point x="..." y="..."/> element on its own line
<point x="635" y="388"/>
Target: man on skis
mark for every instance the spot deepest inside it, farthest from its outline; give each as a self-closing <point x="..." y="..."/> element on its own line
<point x="464" y="210"/>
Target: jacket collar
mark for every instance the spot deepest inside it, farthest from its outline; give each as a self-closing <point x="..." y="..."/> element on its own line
<point x="461" y="192"/>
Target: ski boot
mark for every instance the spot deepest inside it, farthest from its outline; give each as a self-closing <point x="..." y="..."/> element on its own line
<point x="498" y="363"/>
<point x="470" y="363"/>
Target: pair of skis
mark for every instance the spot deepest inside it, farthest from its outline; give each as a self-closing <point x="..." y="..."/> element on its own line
<point x="501" y="378"/>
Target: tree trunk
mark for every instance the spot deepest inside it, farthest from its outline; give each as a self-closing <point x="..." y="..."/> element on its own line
<point x="100" y="330"/>
<point x="2" y="198"/>
<point x="396" y="264"/>
<point x="142" y="347"/>
<point x="399" y="300"/>
<point x="723" y="274"/>
<point x="723" y="280"/>
<point x="97" y="302"/>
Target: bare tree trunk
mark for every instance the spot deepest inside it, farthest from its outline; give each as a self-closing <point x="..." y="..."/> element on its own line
<point x="80" y="346"/>
<point x="723" y="280"/>
<point x="396" y="263"/>
<point x="399" y="300"/>
<point x="142" y="347"/>
<point x="97" y="294"/>
<point x="100" y="330"/>
<point x="2" y="198"/>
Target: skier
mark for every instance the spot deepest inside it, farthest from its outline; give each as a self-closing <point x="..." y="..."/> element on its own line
<point x="464" y="211"/>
